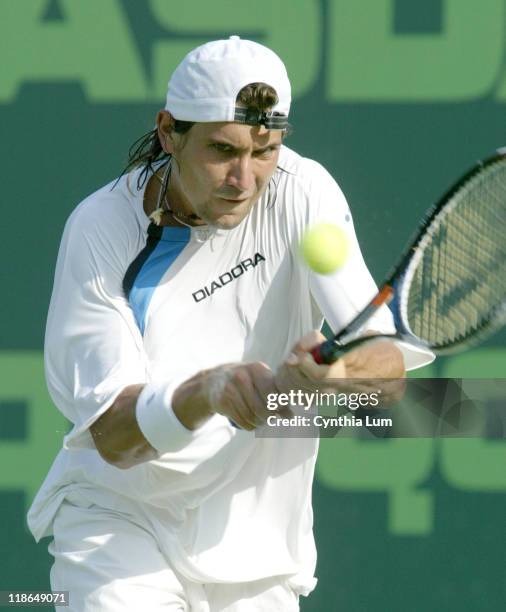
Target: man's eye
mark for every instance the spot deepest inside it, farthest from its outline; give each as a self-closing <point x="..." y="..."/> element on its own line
<point x="222" y="148"/>
<point x="266" y="152"/>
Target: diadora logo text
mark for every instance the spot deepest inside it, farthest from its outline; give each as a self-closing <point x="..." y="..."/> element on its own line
<point x="228" y="277"/>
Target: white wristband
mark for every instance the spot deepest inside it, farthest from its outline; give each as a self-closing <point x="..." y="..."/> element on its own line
<point x="157" y="421"/>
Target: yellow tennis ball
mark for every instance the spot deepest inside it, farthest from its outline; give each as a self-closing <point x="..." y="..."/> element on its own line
<point x="325" y="247"/>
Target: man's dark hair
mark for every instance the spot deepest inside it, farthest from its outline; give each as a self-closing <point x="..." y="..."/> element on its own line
<point x="147" y="150"/>
<point x="257" y="96"/>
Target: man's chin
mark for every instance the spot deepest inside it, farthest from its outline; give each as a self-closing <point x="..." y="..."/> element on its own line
<point x="226" y="223"/>
<point x="227" y="219"/>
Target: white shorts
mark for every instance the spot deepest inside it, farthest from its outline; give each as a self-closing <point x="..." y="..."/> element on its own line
<point x="111" y="564"/>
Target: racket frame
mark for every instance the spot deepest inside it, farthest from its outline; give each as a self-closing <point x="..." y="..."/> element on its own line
<point x="391" y="292"/>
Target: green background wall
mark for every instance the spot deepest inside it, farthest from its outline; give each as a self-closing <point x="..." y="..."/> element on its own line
<point x="396" y="98"/>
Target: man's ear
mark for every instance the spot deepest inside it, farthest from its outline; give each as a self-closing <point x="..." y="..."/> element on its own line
<point x="165" y="123"/>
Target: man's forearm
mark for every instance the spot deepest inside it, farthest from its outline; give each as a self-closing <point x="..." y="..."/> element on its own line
<point x="375" y="359"/>
<point x="376" y="365"/>
<point x="117" y="435"/>
<point x="237" y="391"/>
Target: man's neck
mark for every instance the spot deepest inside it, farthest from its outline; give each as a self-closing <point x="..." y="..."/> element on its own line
<point x="173" y="214"/>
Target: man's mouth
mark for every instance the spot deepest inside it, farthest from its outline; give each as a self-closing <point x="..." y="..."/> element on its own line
<point x="234" y="200"/>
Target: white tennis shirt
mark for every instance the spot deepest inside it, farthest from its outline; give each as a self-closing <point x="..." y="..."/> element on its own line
<point x="126" y="309"/>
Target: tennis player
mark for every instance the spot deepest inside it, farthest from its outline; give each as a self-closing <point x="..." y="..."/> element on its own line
<point x="179" y="304"/>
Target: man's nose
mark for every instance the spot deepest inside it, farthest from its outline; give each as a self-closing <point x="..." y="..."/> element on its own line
<point x="240" y="174"/>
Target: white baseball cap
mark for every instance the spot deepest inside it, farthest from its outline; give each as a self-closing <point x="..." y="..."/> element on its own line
<point x="205" y="85"/>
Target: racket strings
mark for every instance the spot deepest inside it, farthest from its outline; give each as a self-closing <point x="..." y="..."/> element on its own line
<point x="460" y="278"/>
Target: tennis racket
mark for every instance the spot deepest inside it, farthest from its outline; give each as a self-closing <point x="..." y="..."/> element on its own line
<point x="448" y="290"/>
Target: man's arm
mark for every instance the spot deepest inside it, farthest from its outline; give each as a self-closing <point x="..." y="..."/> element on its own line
<point x="117" y="435"/>
<point x="237" y="391"/>
<point x="378" y="364"/>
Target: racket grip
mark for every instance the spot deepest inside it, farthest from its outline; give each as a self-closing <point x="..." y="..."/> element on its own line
<point x="327" y="352"/>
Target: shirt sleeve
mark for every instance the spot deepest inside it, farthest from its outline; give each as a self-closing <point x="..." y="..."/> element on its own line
<point x="93" y="348"/>
<point x="340" y="296"/>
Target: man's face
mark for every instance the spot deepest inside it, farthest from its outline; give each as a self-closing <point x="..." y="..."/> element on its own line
<point x="221" y="169"/>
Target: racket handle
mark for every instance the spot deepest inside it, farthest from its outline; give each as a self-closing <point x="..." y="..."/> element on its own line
<point x="327" y="352"/>
<point x="330" y="350"/>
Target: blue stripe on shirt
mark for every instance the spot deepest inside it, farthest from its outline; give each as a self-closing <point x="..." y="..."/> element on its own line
<point x="171" y="242"/>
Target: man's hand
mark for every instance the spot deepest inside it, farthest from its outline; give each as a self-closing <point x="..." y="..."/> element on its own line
<point x="237" y="391"/>
<point x="300" y="371"/>
<point x="378" y="364"/>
